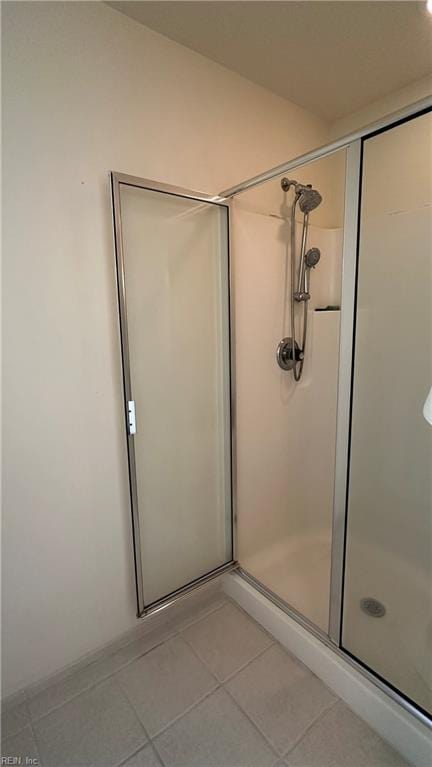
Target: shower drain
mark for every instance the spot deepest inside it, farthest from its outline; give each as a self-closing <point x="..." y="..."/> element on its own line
<point x="372" y="607"/>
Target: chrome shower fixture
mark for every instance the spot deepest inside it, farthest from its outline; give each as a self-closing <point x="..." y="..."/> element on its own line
<point x="309" y="200"/>
<point x="287" y="183"/>
<point x="312" y="257"/>
<point x="309" y="262"/>
<point x="289" y="355"/>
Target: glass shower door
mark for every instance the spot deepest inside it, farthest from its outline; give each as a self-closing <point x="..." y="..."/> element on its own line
<point x="173" y="269"/>
<point x="387" y="615"/>
<point x="286" y="430"/>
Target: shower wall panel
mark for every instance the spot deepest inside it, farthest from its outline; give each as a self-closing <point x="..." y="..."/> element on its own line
<point x="326" y="174"/>
<point x="285" y="431"/>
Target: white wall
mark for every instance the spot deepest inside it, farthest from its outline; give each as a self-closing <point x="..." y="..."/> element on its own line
<point x="87" y="90"/>
<point x="394" y="101"/>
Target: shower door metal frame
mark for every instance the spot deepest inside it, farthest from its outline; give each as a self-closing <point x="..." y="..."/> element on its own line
<point x="116" y="180"/>
<point x="346" y="353"/>
<point x="353" y="144"/>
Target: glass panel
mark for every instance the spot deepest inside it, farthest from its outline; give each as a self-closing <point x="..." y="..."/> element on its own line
<point x="388" y="582"/>
<point x="176" y="282"/>
<point x="286" y="431"/>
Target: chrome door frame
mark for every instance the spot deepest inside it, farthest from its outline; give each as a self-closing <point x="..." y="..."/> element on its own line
<point x="116" y="180"/>
<point x="346" y="351"/>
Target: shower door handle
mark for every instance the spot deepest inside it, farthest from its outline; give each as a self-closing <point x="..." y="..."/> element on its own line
<point x="131" y="417"/>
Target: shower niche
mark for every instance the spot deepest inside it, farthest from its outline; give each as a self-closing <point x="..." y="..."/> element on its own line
<point x="244" y="454"/>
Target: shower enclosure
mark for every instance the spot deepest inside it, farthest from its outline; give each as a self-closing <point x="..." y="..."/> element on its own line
<point x="316" y="488"/>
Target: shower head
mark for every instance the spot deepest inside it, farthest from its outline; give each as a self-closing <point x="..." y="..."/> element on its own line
<point x="312" y="257"/>
<point x="309" y="199"/>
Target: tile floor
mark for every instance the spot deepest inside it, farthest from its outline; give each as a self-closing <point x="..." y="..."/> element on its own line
<point x="208" y="688"/>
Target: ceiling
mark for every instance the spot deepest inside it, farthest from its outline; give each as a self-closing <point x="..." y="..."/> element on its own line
<point x="329" y="57"/>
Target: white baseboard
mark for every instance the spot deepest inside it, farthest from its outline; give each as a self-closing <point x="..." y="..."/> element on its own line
<point x="397" y="726"/>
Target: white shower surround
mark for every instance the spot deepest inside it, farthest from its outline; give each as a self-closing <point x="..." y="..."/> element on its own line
<point x="286" y="432"/>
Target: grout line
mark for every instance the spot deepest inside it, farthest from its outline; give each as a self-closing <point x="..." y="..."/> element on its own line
<point x="102" y="679"/>
<point x="134" y="753"/>
<point x="251" y="618"/>
<point x="186" y="711"/>
<point x="202" y="661"/>
<point x="158" y="753"/>
<point x="305" y="668"/>
<point x="36" y="719"/>
<point x="200" y="618"/>
<point x="216" y="686"/>
<point x="111" y="648"/>
<point x="158" y="756"/>
<point x="4" y="713"/>
<point x="38" y="749"/>
<point x="300" y="664"/>
<point x="248" y="663"/>
<point x="12" y="701"/>
<point x="254" y="724"/>
<point x="283" y="754"/>
<point x="148" y="739"/>
<point x="97" y="656"/>
<point x="310" y="727"/>
<point x="176" y="633"/>
<point x="240" y="668"/>
<point x="36" y="688"/>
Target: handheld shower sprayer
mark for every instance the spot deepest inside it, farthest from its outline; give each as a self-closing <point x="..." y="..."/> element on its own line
<point x="312" y="257"/>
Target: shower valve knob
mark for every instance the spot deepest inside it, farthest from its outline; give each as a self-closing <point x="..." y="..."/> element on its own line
<point x="284" y="354"/>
